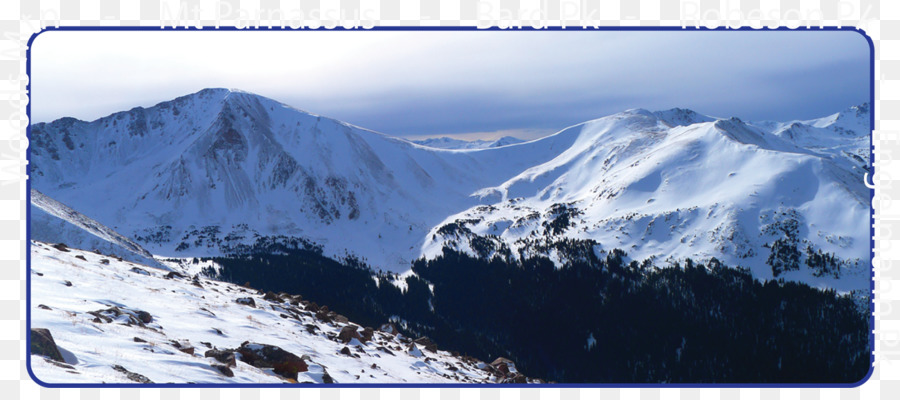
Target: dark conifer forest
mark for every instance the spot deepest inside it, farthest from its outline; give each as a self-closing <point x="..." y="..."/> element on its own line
<point x="598" y="320"/>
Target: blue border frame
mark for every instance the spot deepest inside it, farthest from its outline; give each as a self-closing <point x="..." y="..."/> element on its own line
<point x="457" y="385"/>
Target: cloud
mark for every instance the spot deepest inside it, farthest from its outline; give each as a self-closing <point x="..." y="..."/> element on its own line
<point x="456" y="82"/>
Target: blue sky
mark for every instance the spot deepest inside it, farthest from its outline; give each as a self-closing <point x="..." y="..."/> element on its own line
<point x="474" y="84"/>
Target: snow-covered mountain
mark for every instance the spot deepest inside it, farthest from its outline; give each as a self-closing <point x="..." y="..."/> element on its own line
<point x="198" y="174"/>
<point x="688" y="187"/>
<point x="118" y="322"/>
<point x="458" y="144"/>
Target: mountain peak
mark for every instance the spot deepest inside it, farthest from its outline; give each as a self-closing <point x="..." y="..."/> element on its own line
<point x="682" y="117"/>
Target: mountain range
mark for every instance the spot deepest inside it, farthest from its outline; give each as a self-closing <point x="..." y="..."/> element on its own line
<point x="205" y="173"/>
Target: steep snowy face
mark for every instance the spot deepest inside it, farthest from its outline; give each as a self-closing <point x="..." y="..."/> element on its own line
<point x="662" y="187"/>
<point x="220" y="167"/>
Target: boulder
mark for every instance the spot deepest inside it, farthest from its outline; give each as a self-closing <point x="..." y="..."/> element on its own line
<point x="247" y="301"/>
<point x="367" y="334"/>
<point x="282" y="362"/>
<point x="183" y="347"/>
<point x="104" y="261"/>
<point x="223" y="356"/>
<point x="173" y="275"/>
<point x="61" y="247"/>
<point x="42" y="344"/>
<point x="131" y="375"/>
<point x="145" y="317"/>
<point x="224" y="370"/>
<point x="81" y="257"/>
<point x="338" y="318"/>
<point x="348" y="333"/>
<point x="323" y="316"/>
<point x="271" y="296"/>
<point x="426" y="343"/>
<point x="504" y="366"/>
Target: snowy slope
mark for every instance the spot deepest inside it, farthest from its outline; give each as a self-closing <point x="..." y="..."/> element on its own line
<point x="54" y="222"/>
<point x="457" y="144"/>
<point x="201" y="314"/>
<point x="686" y="187"/>
<point x="218" y="167"/>
<point x="199" y="174"/>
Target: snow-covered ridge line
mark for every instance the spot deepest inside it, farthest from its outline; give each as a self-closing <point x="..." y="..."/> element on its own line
<point x="119" y="322"/>
<point x="219" y="168"/>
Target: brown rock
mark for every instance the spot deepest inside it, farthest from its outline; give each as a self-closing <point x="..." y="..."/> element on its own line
<point x="223" y="356"/>
<point x="348" y="333"/>
<point x="42" y="343"/>
<point x="426" y="343"/>
<point x="282" y="362"/>
<point x="224" y="370"/>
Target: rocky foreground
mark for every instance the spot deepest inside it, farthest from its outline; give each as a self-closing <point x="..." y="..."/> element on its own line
<point x="99" y="319"/>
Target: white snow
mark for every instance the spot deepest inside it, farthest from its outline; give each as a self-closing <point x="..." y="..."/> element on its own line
<point x="667" y="185"/>
<point x="191" y="315"/>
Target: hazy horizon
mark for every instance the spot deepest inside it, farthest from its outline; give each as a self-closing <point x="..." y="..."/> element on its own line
<point x="463" y="84"/>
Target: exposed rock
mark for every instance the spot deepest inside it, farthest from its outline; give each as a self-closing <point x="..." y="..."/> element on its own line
<point x="504" y="366"/>
<point x="247" y="301"/>
<point x="145" y="317"/>
<point x="281" y="361"/>
<point x="139" y="340"/>
<point x="338" y="318"/>
<point x="173" y="275"/>
<point x="42" y="343"/>
<point x="139" y="271"/>
<point x="271" y="296"/>
<point x="61" y="247"/>
<point x="131" y="375"/>
<point x="104" y="261"/>
<point x="346" y="351"/>
<point x="367" y="334"/>
<point x="348" y="333"/>
<point x="67" y="283"/>
<point x="43" y="307"/>
<point x="131" y="317"/>
<point x="426" y="343"/>
<point x="223" y="356"/>
<point x="81" y="257"/>
<point x="183" y="347"/>
<point x="323" y="316"/>
<point x="223" y="369"/>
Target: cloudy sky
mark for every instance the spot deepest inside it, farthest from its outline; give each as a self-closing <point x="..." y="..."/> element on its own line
<point x="471" y="84"/>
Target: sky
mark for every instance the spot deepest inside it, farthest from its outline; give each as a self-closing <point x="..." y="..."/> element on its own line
<point x="465" y="84"/>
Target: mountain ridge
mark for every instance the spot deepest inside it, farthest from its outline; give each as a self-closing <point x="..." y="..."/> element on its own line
<point x="236" y="172"/>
